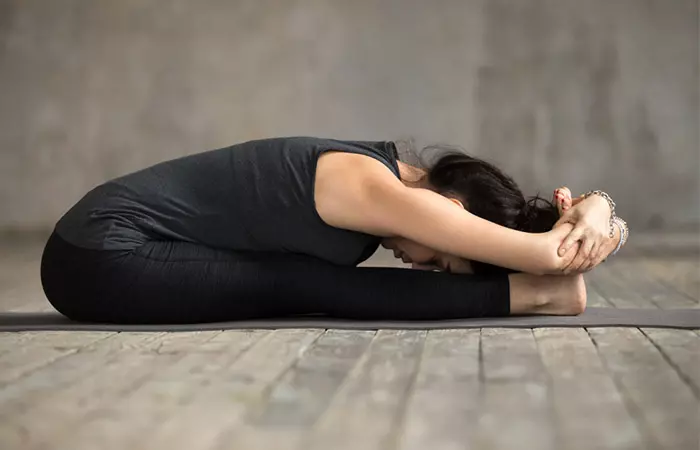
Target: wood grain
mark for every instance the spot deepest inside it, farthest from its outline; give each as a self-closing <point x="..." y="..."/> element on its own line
<point x="516" y="404"/>
<point x="442" y="411"/>
<point x="367" y="410"/>
<point x="590" y="412"/>
<point x="663" y="404"/>
<point x="682" y="350"/>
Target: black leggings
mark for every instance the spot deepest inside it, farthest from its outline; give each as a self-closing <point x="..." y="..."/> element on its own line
<point x="180" y="282"/>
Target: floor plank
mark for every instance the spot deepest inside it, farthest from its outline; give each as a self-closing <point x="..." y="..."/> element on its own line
<point x="301" y="395"/>
<point x="443" y="410"/>
<point x="43" y="350"/>
<point x="10" y="341"/>
<point x="516" y="404"/>
<point x="367" y="410"/>
<point x="68" y="371"/>
<point x="300" y="398"/>
<point x="595" y="298"/>
<point x="17" y="400"/>
<point x="590" y="412"/>
<point x="206" y="413"/>
<point x="662" y="403"/>
<point x="50" y="418"/>
<point x="682" y="349"/>
<point x="638" y="280"/>
<point x="682" y="274"/>
<point x="606" y="283"/>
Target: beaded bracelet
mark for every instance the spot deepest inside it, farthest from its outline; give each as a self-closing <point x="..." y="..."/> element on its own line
<point x="624" y="230"/>
<point x="623" y="238"/>
<point x="611" y="203"/>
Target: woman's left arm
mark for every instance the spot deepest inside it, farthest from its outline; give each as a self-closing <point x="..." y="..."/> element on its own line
<point x="358" y="193"/>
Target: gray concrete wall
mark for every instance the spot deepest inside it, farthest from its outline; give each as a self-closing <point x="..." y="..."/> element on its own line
<point x="589" y="93"/>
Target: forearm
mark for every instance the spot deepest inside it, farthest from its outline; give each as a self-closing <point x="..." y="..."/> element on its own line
<point x="434" y="221"/>
<point x="387" y="208"/>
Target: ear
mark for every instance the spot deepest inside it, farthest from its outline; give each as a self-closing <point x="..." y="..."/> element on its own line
<point x="456" y="202"/>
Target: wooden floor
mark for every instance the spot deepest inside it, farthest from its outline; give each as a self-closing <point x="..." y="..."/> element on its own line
<point x="596" y="388"/>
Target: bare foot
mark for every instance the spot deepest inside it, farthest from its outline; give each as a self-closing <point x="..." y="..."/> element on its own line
<point x="548" y="294"/>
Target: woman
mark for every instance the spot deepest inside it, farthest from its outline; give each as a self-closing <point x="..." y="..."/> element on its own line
<point x="274" y="227"/>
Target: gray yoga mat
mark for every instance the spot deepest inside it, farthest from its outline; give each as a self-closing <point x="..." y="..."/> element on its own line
<point x="593" y="317"/>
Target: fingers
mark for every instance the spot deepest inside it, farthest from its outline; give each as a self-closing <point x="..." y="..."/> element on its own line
<point x="575" y="235"/>
<point x="582" y="259"/>
<point x="592" y="260"/>
<point x="570" y="255"/>
<point x="601" y="252"/>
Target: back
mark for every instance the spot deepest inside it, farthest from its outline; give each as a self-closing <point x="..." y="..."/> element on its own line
<point x="254" y="196"/>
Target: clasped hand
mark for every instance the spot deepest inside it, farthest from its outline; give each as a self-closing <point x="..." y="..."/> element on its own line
<point x="591" y="220"/>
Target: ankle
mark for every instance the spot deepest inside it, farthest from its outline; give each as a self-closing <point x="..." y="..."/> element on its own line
<point x="548" y="294"/>
<point x="528" y="294"/>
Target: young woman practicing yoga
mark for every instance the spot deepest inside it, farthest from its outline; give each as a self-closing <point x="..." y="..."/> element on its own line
<point x="274" y="227"/>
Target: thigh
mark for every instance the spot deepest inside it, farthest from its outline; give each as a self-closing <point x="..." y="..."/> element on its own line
<point x="180" y="282"/>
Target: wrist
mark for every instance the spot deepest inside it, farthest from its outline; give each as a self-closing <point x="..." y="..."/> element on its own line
<point x="624" y="232"/>
<point x="603" y="196"/>
<point x="610" y="210"/>
<point x="617" y="241"/>
<point x="604" y="204"/>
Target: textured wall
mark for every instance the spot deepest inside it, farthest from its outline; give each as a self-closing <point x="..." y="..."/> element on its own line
<point x="591" y="93"/>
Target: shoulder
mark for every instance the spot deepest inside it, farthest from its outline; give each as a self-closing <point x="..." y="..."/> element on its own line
<point x="346" y="186"/>
<point x="357" y="166"/>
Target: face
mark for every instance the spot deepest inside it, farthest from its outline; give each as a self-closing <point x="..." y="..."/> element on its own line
<point x="423" y="258"/>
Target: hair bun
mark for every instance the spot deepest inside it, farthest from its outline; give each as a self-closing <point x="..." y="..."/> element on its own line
<point x="527" y="214"/>
<point x="536" y="215"/>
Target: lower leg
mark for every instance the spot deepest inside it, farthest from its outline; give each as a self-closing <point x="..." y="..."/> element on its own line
<point x="549" y="294"/>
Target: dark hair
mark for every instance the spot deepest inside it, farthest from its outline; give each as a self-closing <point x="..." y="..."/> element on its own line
<point x="490" y="194"/>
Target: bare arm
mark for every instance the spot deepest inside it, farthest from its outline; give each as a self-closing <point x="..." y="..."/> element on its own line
<point x="370" y="199"/>
<point x="434" y="221"/>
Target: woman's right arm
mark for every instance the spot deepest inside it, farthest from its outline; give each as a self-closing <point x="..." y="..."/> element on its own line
<point x="370" y="199"/>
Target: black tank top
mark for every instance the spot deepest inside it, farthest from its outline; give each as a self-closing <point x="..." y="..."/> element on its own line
<point x="254" y="196"/>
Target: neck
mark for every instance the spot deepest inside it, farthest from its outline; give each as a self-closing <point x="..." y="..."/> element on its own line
<point x="411" y="176"/>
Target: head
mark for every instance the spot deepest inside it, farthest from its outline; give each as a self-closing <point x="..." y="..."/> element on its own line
<point x="485" y="191"/>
